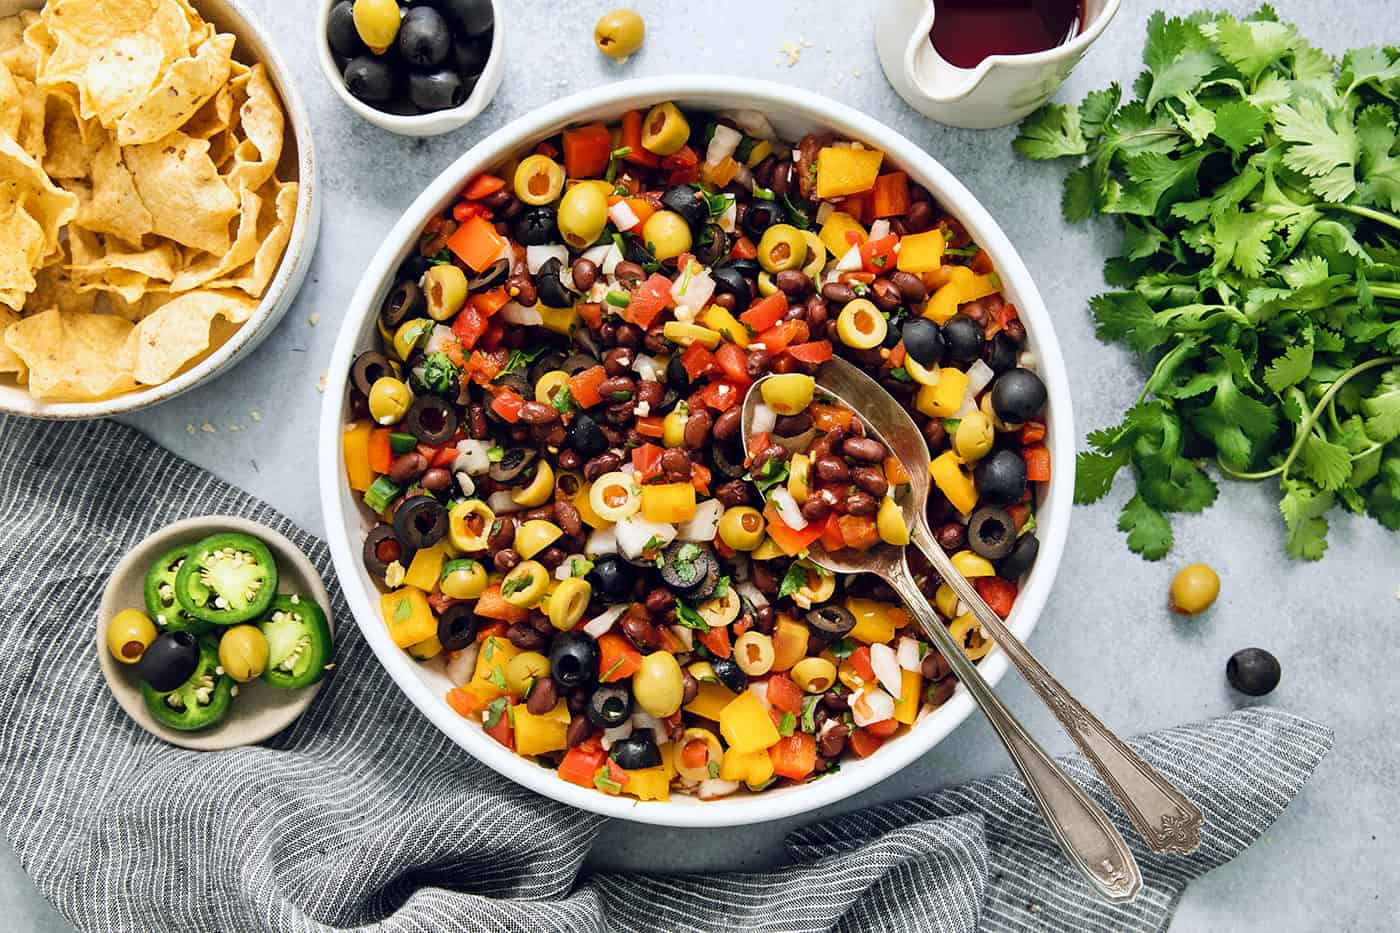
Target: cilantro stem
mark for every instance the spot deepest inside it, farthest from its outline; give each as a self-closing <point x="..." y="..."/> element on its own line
<point x="1380" y="217"/>
<point x="1165" y="367"/>
<point x="1308" y="423"/>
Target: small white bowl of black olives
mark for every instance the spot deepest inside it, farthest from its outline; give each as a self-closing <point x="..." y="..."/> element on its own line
<point x="413" y="67"/>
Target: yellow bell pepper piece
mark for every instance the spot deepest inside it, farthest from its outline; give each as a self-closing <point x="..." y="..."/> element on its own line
<point x="955" y="482"/>
<point x="745" y="724"/>
<point x="354" y="443"/>
<point x="906" y="705"/>
<point x="943" y="399"/>
<point x="833" y="232"/>
<point x="921" y="252"/>
<point x="644" y="783"/>
<point x="668" y="759"/>
<point x="768" y="550"/>
<point x="789" y="643"/>
<point x="426" y="568"/>
<point x="668" y="502"/>
<point x="875" y="621"/>
<point x="408" y="616"/>
<point x="845" y="170"/>
<point x="489" y="677"/>
<point x="585" y="509"/>
<point x="710" y="701"/>
<point x="559" y="320"/>
<point x="535" y="735"/>
<point x="749" y="767"/>
<point x="426" y="650"/>
<point x="981" y="286"/>
<point x="943" y="304"/>
<point x="726" y="324"/>
<point x="687" y="334"/>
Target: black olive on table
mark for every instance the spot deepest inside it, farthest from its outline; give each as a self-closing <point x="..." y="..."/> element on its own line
<point x="437" y="90"/>
<point x="492" y="276"/>
<point x="612" y="577"/>
<point x="424" y="37"/>
<point x="730" y="674"/>
<point x="991" y="532"/>
<point x="404" y="302"/>
<point x="687" y="201"/>
<point x="457" y="627"/>
<point x="1000" y="477"/>
<point x="370" y="79"/>
<point x="468" y="17"/>
<point x="676" y="376"/>
<point x="1251" y="671"/>
<point x="1002" y="353"/>
<point x="536" y="226"/>
<point x="341" y="33"/>
<point x="1021" y="559"/>
<point x="586" y="438"/>
<point x="468" y="57"/>
<point x="369" y="367"/>
<point x="512" y="464"/>
<point x="420" y="521"/>
<point x="831" y="621"/>
<point x="1018" y="395"/>
<point x="963" y="338"/>
<point x="383" y="547"/>
<point x="610" y="705"/>
<point x="573" y="660"/>
<point x="431" y="419"/>
<point x="549" y="285"/>
<point x="169" y="661"/>
<point x="636" y="751"/>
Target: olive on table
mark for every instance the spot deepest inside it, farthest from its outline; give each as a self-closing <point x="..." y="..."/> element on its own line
<point x="243" y="653"/>
<point x="612" y="576"/>
<point x="425" y="39"/>
<point x="169" y="661"/>
<point x="991" y="532"/>
<point x="636" y="751"/>
<point x="963" y="338"/>
<point x="610" y="705"/>
<point x="619" y="33"/>
<point x="129" y="634"/>
<point x="370" y="79"/>
<point x="1253" y="671"/>
<point x="573" y="660"/>
<point x="377" y="22"/>
<point x="341" y="33"/>
<point x="1018" y="395"/>
<point x="1194" y="589"/>
<point x="1000" y="477"/>
<point x="658" y="684"/>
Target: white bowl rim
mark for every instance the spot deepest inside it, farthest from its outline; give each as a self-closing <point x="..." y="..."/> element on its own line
<point x="1053" y="516"/>
<point x="436" y="122"/>
<point x="275" y="301"/>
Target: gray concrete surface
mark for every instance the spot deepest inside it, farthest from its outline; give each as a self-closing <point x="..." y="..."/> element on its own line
<point x="1331" y="862"/>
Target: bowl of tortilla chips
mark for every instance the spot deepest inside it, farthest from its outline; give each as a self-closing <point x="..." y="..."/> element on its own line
<point x="158" y="209"/>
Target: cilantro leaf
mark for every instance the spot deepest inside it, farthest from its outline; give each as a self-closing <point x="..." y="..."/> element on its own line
<point x="494" y="710"/>
<point x="1149" y="532"/>
<point x="1177" y="56"/>
<point x="1290" y="367"/>
<point x="794" y="580"/>
<point x="1383" y="409"/>
<point x="1252" y="45"/>
<point x="689" y="618"/>
<point x="1303" y="507"/>
<point x="1239" y="124"/>
<point x="1052" y="132"/>
<point x="1094" y="473"/>
<point x="1324" y="148"/>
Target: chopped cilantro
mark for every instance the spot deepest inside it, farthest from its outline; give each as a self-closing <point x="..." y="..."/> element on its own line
<point x="621" y="152"/>
<point x="494" y="454"/>
<point x="721" y="588"/>
<point x="713" y="769"/>
<point x="688" y="617"/>
<point x="517" y="584"/>
<point x="788" y="724"/>
<point x="605" y="783"/>
<point x="494" y="709"/>
<point x="843" y="648"/>
<point x="901" y="374"/>
<point x="519" y="359"/>
<point x="717" y="203"/>
<point x="497" y="678"/>
<point x="580" y="567"/>
<point x="794" y="580"/>
<point x="796" y="214"/>
<point x="439" y="373"/>
<point x="774" y="473"/>
<point x="809" y="713"/>
<point x="442" y="258"/>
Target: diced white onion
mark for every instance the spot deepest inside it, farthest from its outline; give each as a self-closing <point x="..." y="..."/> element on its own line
<point x="537" y="256"/>
<point x="622" y="216"/>
<point x="824" y="211"/>
<point x="712" y="788"/>
<point x="692" y="291"/>
<point x="722" y="144"/>
<point x="704" y="525"/>
<point x="464" y="481"/>
<point x="601" y="541"/>
<point x="515" y="313"/>
<point x="788" y="509"/>
<point x="500" y="502"/>
<point x="647" y="368"/>
<point x="909" y="654"/>
<point x="979" y="376"/>
<point x="611" y="259"/>
<point x="472" y="456"/>
<point x="440" y="339"/>
<point x="764" y="419"/>
<point x="596" y="254"/>
<point x="633" y="533"/>
<point x="642" y="720"/>
<point x="752" y="122"/>
<point x="759" y="688"/>
<point x="885" y="663"/>
<point x="879" y="229"/>
<point x="731" y="213"/>
<point x="462" y="665"/>
<point x="850" y="261"/>
<point x="565" y="570"/>
<point x="1027" y="360"/>
<point x="603" y="622"/>
<point x="871" y="705"/>
<point x="615" y="733"/>
<point x="968" y="406"/>
<point x="743" y="177"/>
<point x="752" y="594"/>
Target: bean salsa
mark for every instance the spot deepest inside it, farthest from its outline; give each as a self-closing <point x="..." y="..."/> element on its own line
<point x="549" y="434"/>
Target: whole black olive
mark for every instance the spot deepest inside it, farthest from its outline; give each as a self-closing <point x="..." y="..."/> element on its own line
<point x="636" y="751"/>
<point x="405" y="301"/>
<point x="424" y="37"/>
<point x="991" y="532"/>
<point x="894" y="332"/>
<point x="586" y="437"/>
<point x="1001" y="353"/>
<point x="609" y="706"/>
<point x="832" y="621"/>
<point x="468" y="17"/>
<point x="963" y="338"/>
<point x="730" y="281"/>
<point x="437" y="90"/>
<point x="468" y="57"/>
<point x="552" y="292"/>
<point x="748" y="268"/>
<point x="512" y="464"/>
<point x="1017" y="396"/>
<point x="573" y="660"/>
<point x="760" y="216"/>
<point x="676" y="376"/>
<point x="730" y="674"/>
<point x="576" y="363"/>
<point x="457" y="626"/>
<point x="420" y="521"/>
<point x="1001" y="477"/>
<point x="369" y="367"/>
<point x="536" y="226"/>
<point x="412" y="269"/>
<point x="169" y="661"/>
<point x="341" y="33"/>
<point x="382" y="547"/>
<point x="923" y="341"/>
<point x="431" y="419"/>
<point x="634" y="250"/>
<point x="370" y="79"/>
<point x="612" y="577"/>
<point x="1252" y="671"/>
<point x="687" y="201"/>
<point x="1016" y="566"/>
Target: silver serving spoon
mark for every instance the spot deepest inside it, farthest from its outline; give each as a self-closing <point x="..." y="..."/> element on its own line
<point x="1084" y="832"/>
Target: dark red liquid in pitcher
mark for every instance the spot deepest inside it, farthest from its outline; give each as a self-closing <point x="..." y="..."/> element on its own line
<point x="967" y="31"/>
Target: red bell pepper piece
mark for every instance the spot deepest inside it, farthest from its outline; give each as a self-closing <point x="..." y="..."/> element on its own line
<point x="646" y="461"/>
<point x="507" y="403"/>
<point x="792" y="540"/>
<point x="649" y="299"/>
<point x="586" y="150"/>
<point x="697" y="360"/>
<point x="583" y="386"/>
<point x="717" y="640"/>
<point x="878" y="255"/>
<point x="722" y="394"/>
<point x="816" y="351"/>
<point x="998" y="594"/>
<point x="482" y="186"/>
<point x="617" y="659"/>
<point x="733" y="361"/>
<point x="766" y="312"/>
<point x="632" y="139"/>
<point x="582" y="762"/>
<point x="468" y="326"/>
<point x="795" y="756"/>
<point x="477" y="243"/>
<point x="1037" y="457"/>
<point x="776" y="338"/>
<point x="783" y="694"/>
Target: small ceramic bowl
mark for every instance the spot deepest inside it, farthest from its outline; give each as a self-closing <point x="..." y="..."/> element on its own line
<point x="259" y="711"/>
<point x="423" y="124"/>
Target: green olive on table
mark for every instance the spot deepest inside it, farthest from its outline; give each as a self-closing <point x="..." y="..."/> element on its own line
<point x="1194" y="589"/>
<point x="619" y="33"/>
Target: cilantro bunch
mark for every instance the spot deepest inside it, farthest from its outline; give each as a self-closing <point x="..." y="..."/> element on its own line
<point x="1257" y="184"/>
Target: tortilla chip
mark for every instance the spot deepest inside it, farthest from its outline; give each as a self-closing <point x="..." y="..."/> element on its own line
<point x="274" y="230"/>
<point x="95" y="259"/>
<point x="133" y="311"/>
<point x="179" y="331"/>
<point x="182" y="90"/>
<point x="201" y="267"/>
<point x="213" y="117"/>
<point x="10" y="363"/>
<point x="32" y="119"/>
<point x="11" y="103"/>
<point x="55" y="288"/>
<point x="261" y="124"/>
<point x="22" y="181"/>
<point x="22" y="60"/>
<point x="75" y="357"/>
<point x="188" y="201"/>
<point x="21" y="252"/>
<point x="70" y="144"/>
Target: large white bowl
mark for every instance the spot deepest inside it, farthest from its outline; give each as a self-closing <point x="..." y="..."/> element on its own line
<point x="793" y="112"/>
<point x="298" y="164"/>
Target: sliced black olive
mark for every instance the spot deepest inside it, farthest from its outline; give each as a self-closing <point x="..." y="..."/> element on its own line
<point x="685" y="564"/>
<point x="547" y="362"/>
<point x="923" y="341"/>
<point x="382" y="548"/>
<point x="576" y="363"/>
<point x="730" y="281"/>
<point x="573" y="660"/>
<point x="612" y="577"/>
<point x="687" y="201"/>
<point x="431" y="419"/>
<point x="412" y="268"/>
<point x="730" y="674"/>
<point x="536" y="226"/>
<point x="636" y="751"/>
<point x="761" y="215"/>
<point x="832" y="621"/>
<point x="1022" y="557"/>
<point x="728" y="458"/>
<point x="457" y="627"/>
<point x="707" y="585"/>
<point x="609" y="706"/>
<point x="1001" y="477"/>
<point x="711" y="245"/>
<point x="420" y="521"/>
<point x="169" y="661"/>
<point x="1001" y="353"/>
<point x="341" y="33"/>
<point x="1018" y="395"/>
<point x="550" y="286"/>
<point x="1251" y="671"/>
<point x="494" y="275"/>
<point x="964" y="338"/>
<point x="676" y="376"/>
<point x="991" y="532"/>
<point x="512" y="464"/>
<point x="586" y="437"/>
<point x="405" y="301"/>
<point x="368" y="368"/>
<point x="370" y="79"/>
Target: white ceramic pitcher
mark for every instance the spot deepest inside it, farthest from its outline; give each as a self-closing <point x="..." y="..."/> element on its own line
<point x="1000" y="90"/>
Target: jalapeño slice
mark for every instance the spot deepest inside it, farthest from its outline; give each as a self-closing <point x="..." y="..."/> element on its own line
<point x="198" y="703"/>
<point x="226" y="579"/>
<point x="298" y="642"/>
<point x="161" y="603"/>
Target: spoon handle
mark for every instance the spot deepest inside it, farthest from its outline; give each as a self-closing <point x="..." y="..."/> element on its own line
<point x="1167" y="820"/>
<point x="1083" y="830"/>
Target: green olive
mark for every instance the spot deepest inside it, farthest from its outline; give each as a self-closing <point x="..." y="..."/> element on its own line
<point x="664" y="129"/>
<point x="243" y="653"/>
<point x="667" y="234"/>
<point x="619" y="33"/>
<point x="583" y="213"/>
<point x="445" y="286"/>
<point x="782" y="246"/>
<point x="974" y="437"/>
<point x="411" y="335"/>
<point x="569" y="602"/>
<point x="524" y="587"/>
<point x="389" y="399"/>
<point x="741" y="527"/>
<point x="129" y="634"/>
<point x="377" y="22"/>
<point x="1194" y="590"/>
<point x="463" y="579"/>
<point x="538" y="180"/>
<point x="658" y="686"/>
<point x="523" y="670"/>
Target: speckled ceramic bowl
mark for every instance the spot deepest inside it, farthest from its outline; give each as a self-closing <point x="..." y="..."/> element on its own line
<point x="793" y="112"/>
<point x="298" y="164"/>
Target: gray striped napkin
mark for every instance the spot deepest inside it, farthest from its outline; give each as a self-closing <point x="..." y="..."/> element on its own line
<point x="363" y="816"/>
